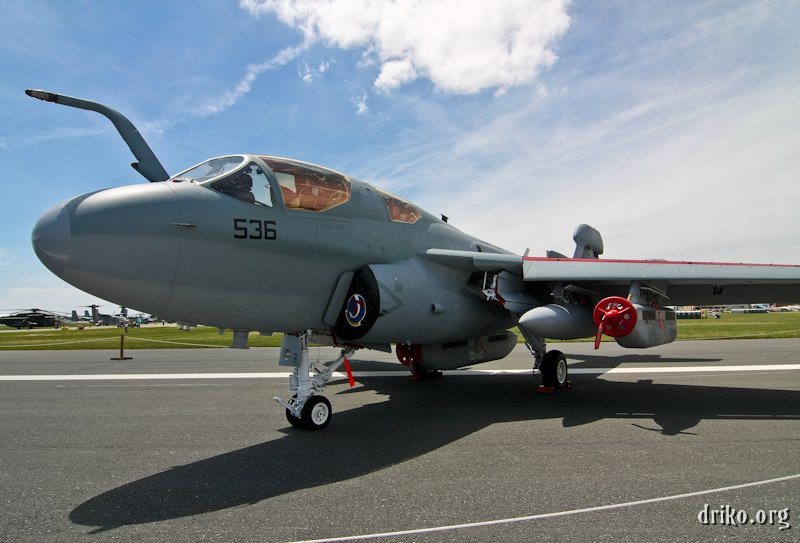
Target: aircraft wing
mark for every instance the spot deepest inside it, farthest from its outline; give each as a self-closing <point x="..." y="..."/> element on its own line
<point x="475" y="261"/>
<point x="685" y="283"/>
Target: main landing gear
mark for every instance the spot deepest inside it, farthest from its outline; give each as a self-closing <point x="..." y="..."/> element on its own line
<point x="551" y="365"/>
<point x="411" y="357"/>
<point x="307" y="408"/>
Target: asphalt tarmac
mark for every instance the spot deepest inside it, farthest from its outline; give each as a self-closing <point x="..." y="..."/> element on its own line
<point x="674" y="443"/>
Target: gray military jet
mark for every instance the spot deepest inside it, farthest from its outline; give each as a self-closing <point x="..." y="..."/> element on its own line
<point x="262" y="243"/>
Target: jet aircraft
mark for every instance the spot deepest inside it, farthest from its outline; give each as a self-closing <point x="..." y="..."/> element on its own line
<point x="256" y="242"/>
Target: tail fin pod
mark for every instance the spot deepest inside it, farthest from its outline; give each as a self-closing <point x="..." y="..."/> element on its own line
<point x="588" y="242"/>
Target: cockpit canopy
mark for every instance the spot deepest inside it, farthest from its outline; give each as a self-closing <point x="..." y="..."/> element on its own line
<point x="400" y="210"/>
<point x="303" y="186"/>
<point x="309" y="187"/>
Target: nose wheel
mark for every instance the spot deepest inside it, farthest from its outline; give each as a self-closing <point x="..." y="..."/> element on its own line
<point x="295" y="421"/>
<point x="315" y="415"/>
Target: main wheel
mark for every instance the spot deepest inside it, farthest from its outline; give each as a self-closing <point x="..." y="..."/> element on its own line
<point x="316" y="413"/>
<point x="554" y="369"/>
<point x="421" y="373"/>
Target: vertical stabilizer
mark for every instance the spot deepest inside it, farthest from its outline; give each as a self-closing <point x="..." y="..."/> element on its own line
<point x="588" y="242"/>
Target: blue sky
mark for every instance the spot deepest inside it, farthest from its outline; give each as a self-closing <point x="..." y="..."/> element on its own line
<point x="672" y="127"/>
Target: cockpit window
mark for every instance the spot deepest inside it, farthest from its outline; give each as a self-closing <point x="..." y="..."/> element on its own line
<point x="210" y="169"/>
<point x="249" y="184"/>
<point x="308" y="187"/>
<point x="400" y="210"/>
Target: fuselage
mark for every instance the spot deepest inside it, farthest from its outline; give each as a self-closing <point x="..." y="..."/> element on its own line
<point x="201" y="249"/>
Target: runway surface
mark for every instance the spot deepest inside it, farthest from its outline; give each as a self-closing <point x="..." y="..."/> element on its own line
<point x="170" y="453"/>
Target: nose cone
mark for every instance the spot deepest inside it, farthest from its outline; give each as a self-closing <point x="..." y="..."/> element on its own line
<point x="117" y="244"/>
<point x="51" y="239"/>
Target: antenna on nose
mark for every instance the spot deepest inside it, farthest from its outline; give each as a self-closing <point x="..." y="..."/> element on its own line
<point x="148" y="165"/>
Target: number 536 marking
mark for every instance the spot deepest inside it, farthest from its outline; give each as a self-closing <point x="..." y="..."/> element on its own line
<point x="254" y="229"/>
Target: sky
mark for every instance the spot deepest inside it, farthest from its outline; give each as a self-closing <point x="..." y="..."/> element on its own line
<point x="671" y="127"/>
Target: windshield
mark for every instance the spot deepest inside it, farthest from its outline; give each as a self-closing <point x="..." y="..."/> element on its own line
<point x="210" y="169"/>
<point x="250" y="184"/>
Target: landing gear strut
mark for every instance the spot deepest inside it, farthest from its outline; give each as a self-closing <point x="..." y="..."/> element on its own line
<point x="307" y="408"/>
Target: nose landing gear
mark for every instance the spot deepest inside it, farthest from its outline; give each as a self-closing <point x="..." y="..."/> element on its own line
<point x="307" y="408"/>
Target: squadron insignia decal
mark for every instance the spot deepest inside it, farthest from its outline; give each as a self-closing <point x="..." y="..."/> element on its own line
<point x="356" y="310"/>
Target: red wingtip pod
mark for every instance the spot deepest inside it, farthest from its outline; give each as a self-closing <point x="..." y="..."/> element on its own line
<point x="614" y="316"/>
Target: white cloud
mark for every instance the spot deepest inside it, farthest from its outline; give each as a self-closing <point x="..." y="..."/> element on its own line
<point x="462" y="47"/>
<point x="218" y="104"/>
<point x="7" y="257"/>
<point x="361" y="105"/>
<point x="394" y="73"/>
<point x="226" y="100"/>
<point x="309" y="74"/>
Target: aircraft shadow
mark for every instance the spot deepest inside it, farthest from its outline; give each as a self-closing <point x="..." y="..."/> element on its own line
<point x="420" y="417"/>
<point x="600" y="361"/>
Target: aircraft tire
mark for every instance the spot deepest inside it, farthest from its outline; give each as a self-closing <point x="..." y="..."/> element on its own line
<point x="297" y="422"/>
<point x="554" y="369"/>
<point x="316" y="413"/>
<point x="421" y="373"/>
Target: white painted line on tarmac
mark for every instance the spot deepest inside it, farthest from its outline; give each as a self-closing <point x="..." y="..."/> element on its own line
<point x="340" y="375"/>
<point x="549" y="515"/>
<point x="143" y="376"/>
<point x="684" y="369"/>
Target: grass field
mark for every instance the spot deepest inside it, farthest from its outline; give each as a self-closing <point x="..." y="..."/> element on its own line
<point x="730" y="326"/>
<point x="105" y="337"/>
<point x="736" y="326"/>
